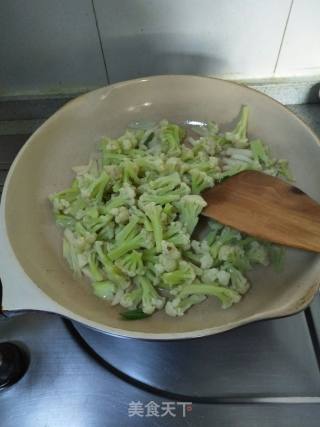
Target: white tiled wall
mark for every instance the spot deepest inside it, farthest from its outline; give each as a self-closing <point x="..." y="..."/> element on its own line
<point x="300" y="52"/>
<point x="142" y="37"/>
<point x="69" y="45"/>
<point x="48" y="45"/>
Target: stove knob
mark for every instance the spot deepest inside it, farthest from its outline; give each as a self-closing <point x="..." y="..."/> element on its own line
<point x="13" y="363"/>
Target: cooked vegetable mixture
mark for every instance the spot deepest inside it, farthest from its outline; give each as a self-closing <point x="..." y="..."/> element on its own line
<point x="129" y="218"/>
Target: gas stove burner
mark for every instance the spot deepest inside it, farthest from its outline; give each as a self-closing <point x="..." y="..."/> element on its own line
<point x="14" y="363"/>
<point x="244" y="363"/>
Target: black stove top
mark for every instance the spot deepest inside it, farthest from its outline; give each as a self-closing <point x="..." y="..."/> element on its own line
<point x="263" y="374"/>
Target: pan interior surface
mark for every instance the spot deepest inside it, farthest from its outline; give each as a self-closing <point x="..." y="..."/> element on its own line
<point x="69" y="137"/>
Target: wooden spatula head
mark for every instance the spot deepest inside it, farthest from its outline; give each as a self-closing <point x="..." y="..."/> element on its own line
<point x="266" y="207"/>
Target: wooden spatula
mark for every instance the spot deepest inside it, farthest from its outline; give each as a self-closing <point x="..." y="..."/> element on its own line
<point x="266" y="207"/>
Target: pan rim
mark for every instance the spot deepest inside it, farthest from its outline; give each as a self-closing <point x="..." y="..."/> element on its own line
<point x="292" y="308"/>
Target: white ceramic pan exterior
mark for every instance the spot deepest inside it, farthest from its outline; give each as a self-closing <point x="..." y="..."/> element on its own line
<point x="33" y="272"/>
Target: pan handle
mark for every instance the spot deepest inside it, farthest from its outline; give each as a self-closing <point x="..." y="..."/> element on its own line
<point x="16" y="299"/>
<point x="19" y="293"/>
<point x="18" y="296"/>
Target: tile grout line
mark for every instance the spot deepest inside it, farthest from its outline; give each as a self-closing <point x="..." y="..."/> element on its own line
<point x="283" y="36"/>
<point x="100" y="42"/>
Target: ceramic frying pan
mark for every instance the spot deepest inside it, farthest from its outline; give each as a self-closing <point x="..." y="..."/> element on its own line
<point x="33" y="272"/>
